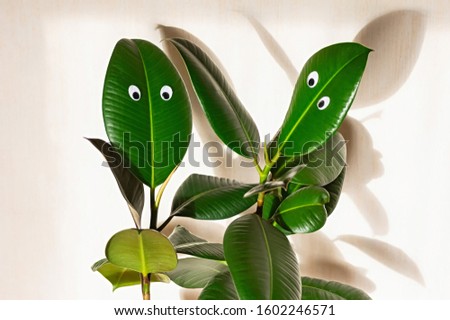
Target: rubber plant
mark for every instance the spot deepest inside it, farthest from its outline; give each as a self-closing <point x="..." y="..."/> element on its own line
<point x="148" y="121"/>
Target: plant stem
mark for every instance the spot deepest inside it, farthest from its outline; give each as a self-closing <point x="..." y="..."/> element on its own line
<point x="153" y="209"/>
<point x="165" y="223"/>
<point x="145" y="285"/>
<point x="263" y="175"/>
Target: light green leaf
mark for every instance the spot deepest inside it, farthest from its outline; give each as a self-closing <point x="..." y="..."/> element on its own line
<point x="187" y="243"/>
<point x="131" y="188"/>
<point x="226" y="114"/>
<point x="221" y="287"/>
<point x="122" y="277"/>
<point x="145" y="251"/>
<point x="303" y="211"/>
<point x="318" y="289"/>
<point x="261" y="260"/>
<point x="195" y="273"/>
<point x="211" y="198"/>
<point x="146" y="110"/>
<point x="322" y="96"/>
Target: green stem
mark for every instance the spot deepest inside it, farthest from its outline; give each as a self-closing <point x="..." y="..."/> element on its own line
<point x="153" y="209"/>
<point x="263" y="175"/>
<point x="145" y="285"/>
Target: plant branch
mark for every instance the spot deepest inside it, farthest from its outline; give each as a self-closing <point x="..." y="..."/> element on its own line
<point x="153" y="209"/>
<point x="165" y="223"/>
<point x="145" y="285"/>
<point x="163" y="187"/>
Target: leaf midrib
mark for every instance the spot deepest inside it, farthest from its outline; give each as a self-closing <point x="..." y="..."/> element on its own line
<point x="269" y="256"/>
<point x="150" y="106"/>
<point x="314" y="99"/>
<point x="301" y="206"/>
<point x="246" y="133"/>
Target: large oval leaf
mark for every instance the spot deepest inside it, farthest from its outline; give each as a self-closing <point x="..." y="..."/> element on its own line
<point x="226" y="114"/>
<point x="322" y="96"/>
<point x="123" y="277"/>
<point x="221" y="287"/>
<point x="211" y="198"/>
<point x="188" y="243"/>
<point x="131" y="188"/>
<point x="195" y="273"/>
<point x="318" y="289"/>
<point x="334" y="189"/>
<point x="304" y="210"/>
<point x="261" y="260"/>
<point x="145" y="251"/>
<point x="146" y="110"/>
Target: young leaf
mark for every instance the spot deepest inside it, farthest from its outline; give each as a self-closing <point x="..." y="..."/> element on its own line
<point x="334" y="189"/>
<point x="261" y="260"/>
<point x="195" y="273"/>
<point x="318" y="289"/>
<point x="122" y="277"/>
<point x="221" y="287"/>
<point x="131" y="188"/>
<point x="226" y="114"/>
<point x="145" y="251"/>
<point x="322" y="96"/>
<point x="211" y="198"/>
<point x="304" y="210"/>
<point x="187" y="243"/>
<point x="146" y="110"/>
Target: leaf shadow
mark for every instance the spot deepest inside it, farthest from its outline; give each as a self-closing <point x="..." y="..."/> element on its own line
<point x="228" y="164"/>
<point x="387" y="254"/>
<point x="396" y="39"/>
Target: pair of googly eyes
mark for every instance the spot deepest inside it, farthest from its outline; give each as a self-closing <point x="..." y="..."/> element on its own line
<point x="166" y="93"/>
<point x="311" y="81"/>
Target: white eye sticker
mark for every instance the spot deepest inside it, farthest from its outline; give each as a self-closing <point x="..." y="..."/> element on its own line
<point x="323" y="103"/>
<point x="312" y="80"/>
<point x="166" y="93"/>
<point x="134" y="92"/>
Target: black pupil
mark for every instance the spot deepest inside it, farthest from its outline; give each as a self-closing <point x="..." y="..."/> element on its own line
<point x="166" y="95"/>
<point x="136" y="95"/>
<point x="321" y="103"/>
<point x="311" y="82"/>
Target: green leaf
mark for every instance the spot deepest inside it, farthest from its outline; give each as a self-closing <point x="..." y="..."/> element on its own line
<point x="304" y="210"/>
<point x="211" y="198"/>
<point x="122" y="277"/>
<point x="334" y="189"/>
<point x="152" y="128"/>
<point x="145" y="251"/>
<point x="270" y="205"/>
<point x="131" y="188"/>
<point x="324" y="164"/>
<point x="221" y="287"/>
<point x="187" y="243"/>
<point x="226" y="114"/>
<point x="195" y="273"/>
<point x="318" y="289"/>
<point x="261" y="260"/>
<point x="322" y="96"/>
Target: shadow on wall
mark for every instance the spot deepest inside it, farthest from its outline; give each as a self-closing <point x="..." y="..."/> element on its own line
<point x="396" y="38"/>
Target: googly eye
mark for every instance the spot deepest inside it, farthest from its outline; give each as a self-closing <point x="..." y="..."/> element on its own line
<point x="166" y="93"/>
<point x="312" y="79"/>
<point x="323" y="103"/>
<point x="134" y="92"/>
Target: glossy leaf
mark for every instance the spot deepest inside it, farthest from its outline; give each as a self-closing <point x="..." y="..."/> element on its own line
<point x="146" y="110"/>
<point x="123" y="277"/>
<point x="211" y="198"/>
<point x="195" y="273"/>
<point x="303" y="211"/>
<point x="145" y="251"/>
<point x="270" y="205"/>
<point x="187" y="243"/>
<point x="261" y="260"/>
<point x="324" y="164"/>
<point x="268" y="186"/>
<point x="221" y="287"/>
<point x="131" y="188"/>
<point x="334" y="189"/>
<point x="226" y="114"/>
<point x="322" y="96"/>
<point x="318" y="289"/>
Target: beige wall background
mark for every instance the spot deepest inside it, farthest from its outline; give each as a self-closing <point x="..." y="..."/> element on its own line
<point x="59" y="206"/>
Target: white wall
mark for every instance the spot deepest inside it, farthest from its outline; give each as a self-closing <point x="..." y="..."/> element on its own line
<point x="59" y="206"/>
